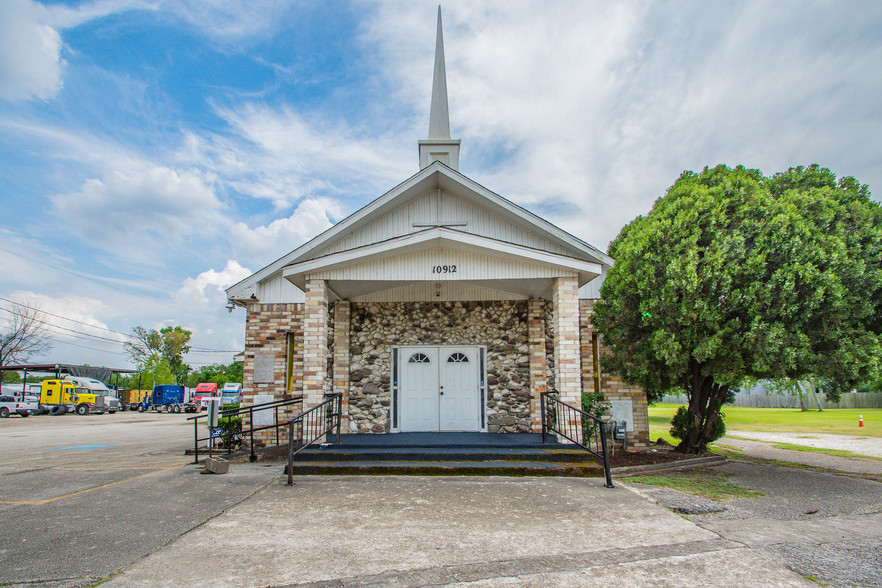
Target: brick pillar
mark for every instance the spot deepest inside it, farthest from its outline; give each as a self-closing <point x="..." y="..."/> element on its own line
<point x="315" y="342"/>
<point x="536" y="342"/>
<point x="567" y="356"/>
<point x="341" y="357"/>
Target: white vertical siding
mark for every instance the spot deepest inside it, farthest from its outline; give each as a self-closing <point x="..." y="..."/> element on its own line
<point x="440" y="265"/>
<point x="278" y="290"/>
<point x="429" y="208"/>
<point x="591" y="290"/>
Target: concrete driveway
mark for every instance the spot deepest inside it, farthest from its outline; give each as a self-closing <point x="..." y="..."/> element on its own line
<point x="418" y="531"/>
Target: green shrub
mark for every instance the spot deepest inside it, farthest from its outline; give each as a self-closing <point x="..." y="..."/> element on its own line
<point x="230" y="432"/>
<point x="594" y="404"/>
<point x="682" y="426"/>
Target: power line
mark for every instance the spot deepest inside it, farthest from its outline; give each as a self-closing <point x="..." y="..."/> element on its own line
<point x="130" y="339"/>
<point x="64" y="317"/>
<point x="106" y="284"/>
<point x="48" y="324"/>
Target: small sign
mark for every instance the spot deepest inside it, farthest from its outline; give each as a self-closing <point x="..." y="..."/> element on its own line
<point x="622" y="410"/>
<point x="265" y="416"/>
<point x="215" y="432"/>
<point x="264" y="368"/>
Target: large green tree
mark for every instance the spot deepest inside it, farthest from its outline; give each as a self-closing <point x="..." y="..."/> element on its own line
<point x="734" y="275"/>
<point x="168" y="344"/>
<point x="216" y="373"/>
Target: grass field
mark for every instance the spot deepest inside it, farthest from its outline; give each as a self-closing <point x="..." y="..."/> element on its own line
<point x="840" y="421"/>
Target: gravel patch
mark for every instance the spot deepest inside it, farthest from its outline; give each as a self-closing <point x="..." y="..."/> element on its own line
<point x="794" y="494"/>
<point x="679" y="501"/>
<point x="871" y="446"/>
<point x="852" y="563"/>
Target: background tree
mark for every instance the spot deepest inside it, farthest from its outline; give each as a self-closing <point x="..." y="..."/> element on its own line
<point x="26" y="336"/>
<point x="169" y="344"/>
<point x="734" y="275"/>
<point x="216" y="373"/>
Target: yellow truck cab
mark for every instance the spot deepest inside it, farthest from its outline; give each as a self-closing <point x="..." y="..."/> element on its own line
<point x="61" y="396"/>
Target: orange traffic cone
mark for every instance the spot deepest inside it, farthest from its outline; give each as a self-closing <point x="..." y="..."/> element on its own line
<point x="860" y="420"/>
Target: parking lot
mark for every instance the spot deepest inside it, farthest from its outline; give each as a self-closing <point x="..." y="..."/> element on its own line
<point x="86" y="498"/>
<point x="82" y="497"/>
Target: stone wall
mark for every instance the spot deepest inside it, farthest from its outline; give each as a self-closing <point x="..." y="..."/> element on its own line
<point x="374" y="327"/>
<point x="500" y="325"/>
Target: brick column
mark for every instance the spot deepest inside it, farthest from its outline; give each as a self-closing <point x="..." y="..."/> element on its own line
<point x="536" y="342"/>
<point x="341" y="357"/>
<point x="315" y="342"/>
<point x="567" y="360"/>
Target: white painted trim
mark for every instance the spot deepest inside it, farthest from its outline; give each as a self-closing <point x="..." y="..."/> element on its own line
<point x="438" y="237"/>
<point x="433" y="175"/>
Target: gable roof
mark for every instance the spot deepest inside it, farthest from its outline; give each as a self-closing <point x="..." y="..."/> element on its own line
<point x="435" y="175"/>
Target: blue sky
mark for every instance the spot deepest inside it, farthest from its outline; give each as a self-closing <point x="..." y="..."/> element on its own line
<point x="153" y="152"/>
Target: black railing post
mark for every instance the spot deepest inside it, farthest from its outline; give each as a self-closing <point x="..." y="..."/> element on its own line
<point x="339" y="415"/>
<point x="542" y="413"/>
<point x="196" y="440"/>
<point x="253" y="457"/>
<point x="291" y="452"/>
<point x="606" y="472"/>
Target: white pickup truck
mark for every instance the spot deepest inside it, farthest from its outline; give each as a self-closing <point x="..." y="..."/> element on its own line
<point x="10" y="405"/>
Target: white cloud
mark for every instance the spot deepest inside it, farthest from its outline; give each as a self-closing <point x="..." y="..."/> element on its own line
<point x="282" y="155"/>
<point x="263" y="244"/>
<point x="207" y="288"/>
<point x="30" y="52"/>
<point x="82" y="311"/>
<point x="586" y="112"/>
<point x="159" y="200"/>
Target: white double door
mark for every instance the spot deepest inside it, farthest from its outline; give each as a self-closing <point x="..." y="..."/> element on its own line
<point x="439" y="388"/>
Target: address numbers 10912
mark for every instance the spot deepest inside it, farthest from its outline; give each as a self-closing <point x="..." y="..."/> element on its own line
<point x="443" y="269"/>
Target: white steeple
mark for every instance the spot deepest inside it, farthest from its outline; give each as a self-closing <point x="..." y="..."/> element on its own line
<point x="439" y="146"/>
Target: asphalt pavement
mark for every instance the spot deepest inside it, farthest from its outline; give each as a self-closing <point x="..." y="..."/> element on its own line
<point x="89" y="499"/>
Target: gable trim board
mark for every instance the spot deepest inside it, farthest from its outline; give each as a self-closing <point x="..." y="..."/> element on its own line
<point x="435" y="176"/>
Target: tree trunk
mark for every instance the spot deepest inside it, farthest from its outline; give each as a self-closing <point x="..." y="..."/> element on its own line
<point x="706" y="398"/>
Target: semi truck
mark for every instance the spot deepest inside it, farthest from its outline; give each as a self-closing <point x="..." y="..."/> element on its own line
<point x="97" y="387"/>
<point x="167" y="398"/>
<point x="205" y="393"/>
<point x="63" y="396"/>
<point x="231" y="393"/>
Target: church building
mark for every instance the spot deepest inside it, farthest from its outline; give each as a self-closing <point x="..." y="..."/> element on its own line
<point x="440" y="306"/>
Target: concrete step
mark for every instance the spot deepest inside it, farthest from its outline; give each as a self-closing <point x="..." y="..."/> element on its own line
<point x="447" y="468"/>
<point x="458" y="453"/>
<point x="510" y="440"/>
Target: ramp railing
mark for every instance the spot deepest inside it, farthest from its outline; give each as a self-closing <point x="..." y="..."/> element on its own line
<point x="311" y="425"/>
<point x="214" y="436"/>
<point x="576" y="426"/>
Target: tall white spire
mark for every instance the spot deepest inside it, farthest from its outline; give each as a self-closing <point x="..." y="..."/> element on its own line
<point x="439" y="116"/>
<point x="439" y="146"/>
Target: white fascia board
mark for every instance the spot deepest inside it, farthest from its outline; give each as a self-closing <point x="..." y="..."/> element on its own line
<point x="379" y="206"/>
<point x="374" y="208"/>
<point x="437" y="237"/>
<point x="525" y="215"/>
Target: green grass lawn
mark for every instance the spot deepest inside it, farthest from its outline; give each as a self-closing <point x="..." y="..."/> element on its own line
<point x="840" y="421"/>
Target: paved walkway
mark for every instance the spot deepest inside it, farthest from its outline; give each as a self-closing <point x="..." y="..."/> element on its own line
<point x="419" y="531"/>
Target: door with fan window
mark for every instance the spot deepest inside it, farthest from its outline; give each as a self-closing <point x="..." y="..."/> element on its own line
<point x="440" y="388"/>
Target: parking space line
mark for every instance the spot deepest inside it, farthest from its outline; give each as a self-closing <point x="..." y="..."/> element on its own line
<point x="78" y="492"/>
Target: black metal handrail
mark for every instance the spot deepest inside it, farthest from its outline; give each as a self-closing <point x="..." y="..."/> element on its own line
<point x="249" y="432"/>
<point x="575" y="425"/>
<point x="314" y="423"/>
